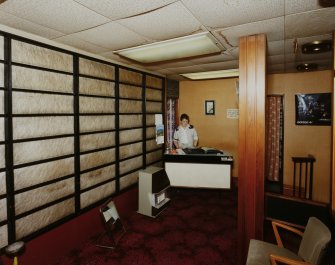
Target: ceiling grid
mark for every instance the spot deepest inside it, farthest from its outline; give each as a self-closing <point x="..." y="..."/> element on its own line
<point x="101" y="27"/>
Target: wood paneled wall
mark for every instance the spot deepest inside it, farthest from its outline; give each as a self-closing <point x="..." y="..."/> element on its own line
<point x="251" y="141"/>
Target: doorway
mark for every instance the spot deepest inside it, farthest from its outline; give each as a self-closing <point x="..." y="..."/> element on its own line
<point x="274" y="143"/>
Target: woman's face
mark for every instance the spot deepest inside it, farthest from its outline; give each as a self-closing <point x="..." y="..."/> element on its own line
<point x="184" y="122"/>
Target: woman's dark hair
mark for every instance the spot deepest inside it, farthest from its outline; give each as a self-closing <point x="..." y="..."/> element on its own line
<point x="184" y="116"/>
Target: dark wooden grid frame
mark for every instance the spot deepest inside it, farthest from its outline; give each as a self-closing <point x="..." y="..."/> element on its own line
<point x="9" y="141"/>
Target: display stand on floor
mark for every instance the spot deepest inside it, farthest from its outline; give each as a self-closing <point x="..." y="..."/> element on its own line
<point x="114" y="229"/>
<point x="14" y="250"/>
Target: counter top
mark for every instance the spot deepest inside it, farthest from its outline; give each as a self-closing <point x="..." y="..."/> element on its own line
<point x="224" y="158"/>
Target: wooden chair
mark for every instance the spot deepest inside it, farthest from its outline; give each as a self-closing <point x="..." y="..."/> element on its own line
<point x="313" y="245"/>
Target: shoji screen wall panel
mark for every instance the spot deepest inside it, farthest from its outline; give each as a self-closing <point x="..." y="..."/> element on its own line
<point x="3" y="201"/>
<point x="74" y="131"/>
<point x="43" y="136"/>
<point x="131" y="126"/>
<point x="97" y="130"/>
<point x="154" y="99"/>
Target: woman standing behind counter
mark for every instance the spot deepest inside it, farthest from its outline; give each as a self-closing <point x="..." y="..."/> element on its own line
<point x="185" y="136"/>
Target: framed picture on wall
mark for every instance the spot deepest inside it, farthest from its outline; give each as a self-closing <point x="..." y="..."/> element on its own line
<point x="209" y="107"/>
<point x="313" y="109"/>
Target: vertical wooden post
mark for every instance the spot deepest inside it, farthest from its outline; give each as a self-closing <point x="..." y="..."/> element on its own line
<point x="333" y="138"/>
<point x="252" y="95"/>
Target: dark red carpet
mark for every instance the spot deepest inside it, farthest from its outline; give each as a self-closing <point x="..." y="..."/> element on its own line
<point x="198" y="227"/>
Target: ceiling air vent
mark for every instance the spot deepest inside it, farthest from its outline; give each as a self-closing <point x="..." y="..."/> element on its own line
<point x="316" y="47"/>
<point x="307" y="67"/>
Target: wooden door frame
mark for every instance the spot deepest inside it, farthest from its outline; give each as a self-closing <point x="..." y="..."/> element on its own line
<point x="332" y="199"/>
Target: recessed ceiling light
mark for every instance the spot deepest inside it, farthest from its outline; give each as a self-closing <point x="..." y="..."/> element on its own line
<point x="316" y="47"/>
<point x="212" y="74"/>
<point x="192" y="45"/>
<point x="307" y="67"/>
<point x="327" y="3"/>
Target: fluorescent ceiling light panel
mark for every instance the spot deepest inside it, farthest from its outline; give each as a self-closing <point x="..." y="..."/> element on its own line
<point x="212" y="74"/>
<point x="192" y="45"/>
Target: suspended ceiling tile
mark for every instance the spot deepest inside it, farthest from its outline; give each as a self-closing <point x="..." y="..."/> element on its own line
<point x="235" y="52"/>
<point x="311" y="23"/>
<point x="300" y="57"/>
<point x="290" y="46"/>
<point x="221" y="66"/>
<point x="172" y="18"/>
<point x="325" y="65"/>
<point x="213" y="58"/>
<point x="118" y="9"/>
<point x="25" y="25"/>
<point x="319" y="62"/>
<point x="153" y="68"/>
<point x="227" y="13"/>
<point x="273" y="28"/>
<point x="111" y="36"/>
<point x="80" y="44"/>
<point x="187" y="69"/>
<point x="62" y="15"/>
<point x="275" y="68"/>
<point x="298" y="6"/>
<point x="292" y="58"/>
<point x="290" y="67"/>
<point x="169" y="22"/>
<point x="175" y="64"/>
<point x="276" y="47"/>
<point x="276" y="59"/>
<point x="165" y="72"/>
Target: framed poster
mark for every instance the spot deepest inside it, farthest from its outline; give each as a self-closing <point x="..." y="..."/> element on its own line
<point x="209" y="107"/>
<point x="313" y="109"/>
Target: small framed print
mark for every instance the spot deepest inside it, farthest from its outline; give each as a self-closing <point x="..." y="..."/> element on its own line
<point x="209" y="107"/>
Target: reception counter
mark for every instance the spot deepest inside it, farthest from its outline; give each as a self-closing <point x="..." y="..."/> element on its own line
<point x="199" y="170"/>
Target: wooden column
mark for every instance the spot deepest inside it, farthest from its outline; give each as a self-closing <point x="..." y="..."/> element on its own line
<point x="251" y="141"/>
<point x="333" y="138"/>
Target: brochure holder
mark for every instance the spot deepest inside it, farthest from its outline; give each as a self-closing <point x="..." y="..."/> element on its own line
<point x="114" y="229"/>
